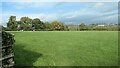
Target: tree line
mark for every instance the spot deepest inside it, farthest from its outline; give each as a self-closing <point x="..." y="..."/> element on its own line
<point x="28" y="24"/>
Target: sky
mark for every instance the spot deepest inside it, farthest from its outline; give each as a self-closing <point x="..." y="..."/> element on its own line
<point x="67" y="12"/>
<point x="59" y="0"/>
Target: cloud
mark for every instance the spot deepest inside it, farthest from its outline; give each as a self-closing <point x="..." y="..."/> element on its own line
<point x="105" y="7"/>
<point x="41" y="16"/>
<point x="35" y="5"/>
<point x="98" y="5"/>
<point x="90" y="16"/>
<point x="92" y="12"/>
<point x="60" y="0"/>
<point x="60" y="3"/>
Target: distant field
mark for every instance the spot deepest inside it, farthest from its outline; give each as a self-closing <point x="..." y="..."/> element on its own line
<point x="74" y="48"/>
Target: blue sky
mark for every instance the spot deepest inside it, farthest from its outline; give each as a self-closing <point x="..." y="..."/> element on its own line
<point x="68" y="12"/>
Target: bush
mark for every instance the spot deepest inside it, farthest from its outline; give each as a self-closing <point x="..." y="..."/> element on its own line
<point x="7" y="50"/>
<point x="7" y="39"/>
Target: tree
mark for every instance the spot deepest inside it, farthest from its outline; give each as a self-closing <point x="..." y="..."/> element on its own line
<point x="82" y="26"/>
<point x="73" y="27"/>
<point x="12" y="23"/>
<point x="26" y="20"/>
<point x="37" y="24"/>
<point x="66" y="28"/>
<point x="56" y="25"/>
<point x="25" y="23"/>
<point x="47" y="26"/>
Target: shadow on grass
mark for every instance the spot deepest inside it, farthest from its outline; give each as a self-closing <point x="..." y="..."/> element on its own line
<point x="24" y="57"/>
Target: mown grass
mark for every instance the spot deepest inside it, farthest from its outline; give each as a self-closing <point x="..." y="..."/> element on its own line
<point x="73" y="48"/>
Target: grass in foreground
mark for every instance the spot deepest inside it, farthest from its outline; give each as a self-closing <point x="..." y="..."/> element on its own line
<point x="66" y="48"/>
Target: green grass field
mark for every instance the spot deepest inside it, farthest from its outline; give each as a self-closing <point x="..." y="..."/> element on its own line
<point x="73" y="48"/>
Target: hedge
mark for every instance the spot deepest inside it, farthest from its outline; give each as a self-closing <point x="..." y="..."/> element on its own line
<point x="7" y="50"/>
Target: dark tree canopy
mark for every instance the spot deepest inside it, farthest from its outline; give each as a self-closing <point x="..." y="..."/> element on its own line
<point x="28" y="24"/>
<point x="12" y="23"/>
